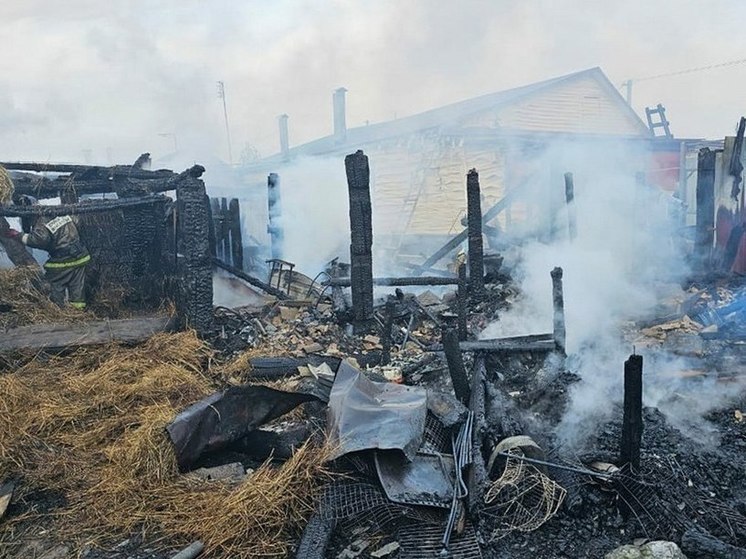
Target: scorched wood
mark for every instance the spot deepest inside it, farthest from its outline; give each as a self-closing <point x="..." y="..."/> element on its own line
<point x="63" y="335"/>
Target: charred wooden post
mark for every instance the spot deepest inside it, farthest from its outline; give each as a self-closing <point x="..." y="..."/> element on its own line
<point x="558" y="300"/>
<point x="361" y="239"/>
<point x="212" y="233"/>
<point x="226" y="240"/>
<point x="234" y="213"/>
<point x="570" y="202"/>
<point x="705" y="207"/>
<point x="477" y="479"/>
<point x="388" y="327"/>
<point x="474" y="225"/>
<point x="217" y="228"/>
<point x="461" y="302"/>
<point x="274" y="206"/>
<point x="456" y="365"/>
<point x="629" y="453"/>
<point x="195" y="300"/>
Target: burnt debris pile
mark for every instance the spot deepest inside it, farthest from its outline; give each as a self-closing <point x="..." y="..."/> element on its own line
<point x="351" y="415"/>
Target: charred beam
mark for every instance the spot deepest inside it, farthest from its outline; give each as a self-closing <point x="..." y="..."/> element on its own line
<point x="489" y="215"/>
<point x="558" y="301"/>
<point x="130" y="171"/>
<point x="461" y="294"/>
<point x="456" y="365"/>
<point x="80" y="208"/>
<point x="698" y="543"/>
<point x="396" y="282"/>
<point x="474" y="225"/>
<point x="477" y="476"/>
<point x="629" y="453"/>
<point x="388" y="327"/>
<point x="234" y="213"/>
<point x="250" y="279"/>
<point x="361" y="239"/>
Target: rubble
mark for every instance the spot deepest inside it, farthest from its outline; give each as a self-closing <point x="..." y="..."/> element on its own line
<point x="300" y="426"/>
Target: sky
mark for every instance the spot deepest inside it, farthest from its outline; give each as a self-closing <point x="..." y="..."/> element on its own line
<point x="102" y="82"/>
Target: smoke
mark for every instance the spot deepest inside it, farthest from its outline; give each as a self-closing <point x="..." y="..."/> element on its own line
<point x="315" y="216"/>
<point x="625" y="255"/>
<point x="113" y="77"/>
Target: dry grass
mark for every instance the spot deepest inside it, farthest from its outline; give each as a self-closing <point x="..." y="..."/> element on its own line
<point x="21" y="288"/>
<point x="92" y="425"/>
<point x="6" y="187"/>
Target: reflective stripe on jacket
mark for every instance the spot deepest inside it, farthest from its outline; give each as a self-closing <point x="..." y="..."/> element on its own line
<point x="60" y="238"/>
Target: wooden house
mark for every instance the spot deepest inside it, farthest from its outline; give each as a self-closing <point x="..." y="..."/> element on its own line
<point x="530" y="134"/>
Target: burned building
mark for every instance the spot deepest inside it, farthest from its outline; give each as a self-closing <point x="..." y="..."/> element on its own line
<point x="520" y="140"/>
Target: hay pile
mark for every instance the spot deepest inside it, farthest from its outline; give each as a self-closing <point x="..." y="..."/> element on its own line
<point x="6" y="187"/>
<point x="21" y="288"/>
<point x="92" y="426"/>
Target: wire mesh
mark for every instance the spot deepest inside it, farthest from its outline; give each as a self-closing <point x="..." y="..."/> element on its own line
<point x="424" y="542"/>
<point x="436" y="438"/>
<point x="522" y="499"/>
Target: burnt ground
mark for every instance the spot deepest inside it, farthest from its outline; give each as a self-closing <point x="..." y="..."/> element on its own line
<point x="684" y="482"/>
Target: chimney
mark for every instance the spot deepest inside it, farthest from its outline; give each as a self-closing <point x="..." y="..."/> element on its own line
<point x="282" y="120"/>
<point x="340" y="124"/>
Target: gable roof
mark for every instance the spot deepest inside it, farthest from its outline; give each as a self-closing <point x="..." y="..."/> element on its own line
<point x="454" y="113"/>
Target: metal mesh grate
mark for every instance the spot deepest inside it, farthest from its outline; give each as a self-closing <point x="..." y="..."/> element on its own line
<point x="362" y="504"/>
<point x="424" y="542"/>
<point x="437" y="438"/>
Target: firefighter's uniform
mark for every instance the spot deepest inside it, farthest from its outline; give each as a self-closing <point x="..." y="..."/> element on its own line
<point x="65" y="268"/>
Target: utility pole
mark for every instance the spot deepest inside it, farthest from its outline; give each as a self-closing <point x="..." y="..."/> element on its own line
<point x="628" y="85"/>
<point x="221" y="95"/>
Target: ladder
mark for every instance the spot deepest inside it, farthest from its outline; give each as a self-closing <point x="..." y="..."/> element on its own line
<point x="660" y="111"/>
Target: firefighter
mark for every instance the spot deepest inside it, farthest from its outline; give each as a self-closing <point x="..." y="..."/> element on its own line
<point x="65" y="268"/>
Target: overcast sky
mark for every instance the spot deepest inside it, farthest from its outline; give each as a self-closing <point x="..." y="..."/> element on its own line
<point x="112" y="77"/>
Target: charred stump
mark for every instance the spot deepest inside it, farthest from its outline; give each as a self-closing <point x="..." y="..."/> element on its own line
<point x="558" y="300"/>
<point x="629" y="452"/>
<point x="361" y="240"/>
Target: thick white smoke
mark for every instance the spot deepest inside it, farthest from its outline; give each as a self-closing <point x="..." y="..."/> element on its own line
<point x="625" y="252"/>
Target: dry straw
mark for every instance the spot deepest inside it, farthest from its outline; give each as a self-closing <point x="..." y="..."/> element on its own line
<point x="6" y="187"/>
<point x="92" y="426"/>
<point x="22" y="289"/>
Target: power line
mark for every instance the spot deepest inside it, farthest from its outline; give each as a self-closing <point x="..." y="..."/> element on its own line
<point x="629" y="82"/>
<point x="690" y="70"/>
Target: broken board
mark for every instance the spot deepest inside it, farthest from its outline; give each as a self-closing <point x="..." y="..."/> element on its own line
<point x="62" y="335"/>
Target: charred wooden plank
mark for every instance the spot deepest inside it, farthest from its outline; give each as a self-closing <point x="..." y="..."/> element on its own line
<point x="57" y="336"/>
